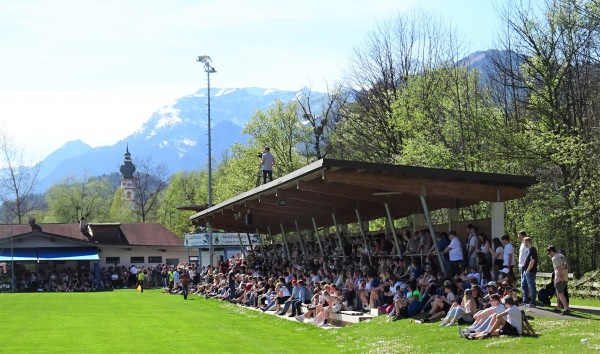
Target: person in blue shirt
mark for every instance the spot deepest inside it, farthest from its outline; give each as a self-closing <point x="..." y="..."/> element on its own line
<point x="304" y="297"/>
<point x="295" y="296"/>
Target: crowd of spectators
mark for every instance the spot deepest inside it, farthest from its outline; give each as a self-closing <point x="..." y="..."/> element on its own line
<point x="85" y="279"/>
<point x="345" y="277"/>
<point x="65" y="280"/>
<point x="313" y="280"/>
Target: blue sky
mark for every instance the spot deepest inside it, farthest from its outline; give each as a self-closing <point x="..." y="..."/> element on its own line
<point x="96" y="70"/>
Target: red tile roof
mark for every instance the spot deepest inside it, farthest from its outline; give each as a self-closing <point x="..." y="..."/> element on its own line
<point x="134" y="234"/>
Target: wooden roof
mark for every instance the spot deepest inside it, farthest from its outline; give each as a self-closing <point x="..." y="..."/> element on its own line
<point x="338" y="187"/>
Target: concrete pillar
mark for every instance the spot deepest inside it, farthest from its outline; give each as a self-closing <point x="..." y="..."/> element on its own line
<point x="418" y="222"/>
<point x="497" y="220"/>
<point x="452" y="218"/>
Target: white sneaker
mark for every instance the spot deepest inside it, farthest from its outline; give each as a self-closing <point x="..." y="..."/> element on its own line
<point x="444" y="323"/>
<point x="451" y="324"/>
<point x="300" y="318"/>
<point x="367" y="308"/>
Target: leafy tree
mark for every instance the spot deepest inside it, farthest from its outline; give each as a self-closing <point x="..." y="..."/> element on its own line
<point x="554" y="87"/>
<point x="449" y="126"/>
<point x="77" y="197"/>
<point x="239" y="172"/>
<point x="185" y="188"/>
<point x="282" y="129"/>
<point x="380" y="70"/>
<point x="121" y="209"/>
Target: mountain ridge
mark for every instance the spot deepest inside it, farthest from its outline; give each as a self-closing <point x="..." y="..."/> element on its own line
<point x="175" y="134"/>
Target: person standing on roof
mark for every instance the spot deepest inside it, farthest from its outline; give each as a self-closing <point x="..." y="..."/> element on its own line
<point x="267" y="162"/>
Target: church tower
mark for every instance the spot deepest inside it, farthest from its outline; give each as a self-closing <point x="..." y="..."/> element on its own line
<point x="127" y="181"/>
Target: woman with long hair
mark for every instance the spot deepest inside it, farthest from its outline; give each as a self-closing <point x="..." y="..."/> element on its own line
<point x="465" y="310"/>
<point x="498" y="254"/>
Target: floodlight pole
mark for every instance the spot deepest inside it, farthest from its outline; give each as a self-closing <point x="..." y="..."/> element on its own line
<point x="208" y="69"/>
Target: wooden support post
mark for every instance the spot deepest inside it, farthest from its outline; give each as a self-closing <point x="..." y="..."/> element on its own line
<point x="317" y="236"/>
<point x="364" y="235"/>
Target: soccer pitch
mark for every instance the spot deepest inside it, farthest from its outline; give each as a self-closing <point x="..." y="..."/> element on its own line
<point x="125" y="321"/>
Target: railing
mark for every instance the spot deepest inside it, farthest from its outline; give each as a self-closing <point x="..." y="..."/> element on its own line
<point x="588" y="286"/>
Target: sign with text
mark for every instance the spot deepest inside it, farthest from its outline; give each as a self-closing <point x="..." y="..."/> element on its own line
<point x="219" y="239"/>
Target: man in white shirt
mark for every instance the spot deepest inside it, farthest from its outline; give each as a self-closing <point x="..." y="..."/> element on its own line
<point x="509" y="255"/>
<point x="483" y="318"/>
<point x="472" y="241"/>
<point x="267" y="162"/>
<point x="454" y="250"/>
<point x="509" y="322"/>
<point x="523" y="252"/>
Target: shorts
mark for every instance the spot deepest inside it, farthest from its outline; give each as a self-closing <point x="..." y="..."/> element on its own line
<point x="509" y="330"/>
<point x="560" y="287"/>
<point x="446" y="307"/>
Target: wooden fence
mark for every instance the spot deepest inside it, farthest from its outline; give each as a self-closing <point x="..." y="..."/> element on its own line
<point x="588" y="286"/>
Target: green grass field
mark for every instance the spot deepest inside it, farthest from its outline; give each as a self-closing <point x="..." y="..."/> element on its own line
<point x="126" y="321"/>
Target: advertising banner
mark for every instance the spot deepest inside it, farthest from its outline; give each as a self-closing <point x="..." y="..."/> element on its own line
<point x="200" y="240"/>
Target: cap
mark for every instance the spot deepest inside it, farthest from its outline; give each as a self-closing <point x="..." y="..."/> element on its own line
<point x="249" y="286"/>
<point x="294" y="281"/>
<point x="447" y="282"/>
<point x="492" y="283"/>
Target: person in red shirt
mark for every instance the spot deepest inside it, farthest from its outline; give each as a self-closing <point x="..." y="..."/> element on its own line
<point x="184" y="279"/>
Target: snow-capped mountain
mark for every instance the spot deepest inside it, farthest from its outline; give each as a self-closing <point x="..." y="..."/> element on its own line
<point x="175" y="134"/>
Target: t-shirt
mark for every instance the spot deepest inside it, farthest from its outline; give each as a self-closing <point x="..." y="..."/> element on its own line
<point x="414" y="308"/>
<point x="514" y="318"/>
<point x="559" y="262"/>
<point x="417" y="272"/>
<point x="442" y="244"/>
<point x="185" y="278"/>
<point x="474" y="275"/>
<point x="531" y="255"/>
<point x="372" y="284"/>
<point x="393" y="287"/>
<point x="284" y="291"/>
<point x="231" y="279"/>
<point x="499" y="308"/>
<point x="500" y="251"/>
<point x="472" y="244"/>
<point x="416" y="293"/>
<point x="508" y="250"/>
<point x="455" y="253"/>
<point x="523" y="252"/>
<point x="267" y="161"/>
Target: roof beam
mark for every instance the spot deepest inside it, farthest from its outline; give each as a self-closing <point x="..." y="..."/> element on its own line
<point x="435" y="188"/>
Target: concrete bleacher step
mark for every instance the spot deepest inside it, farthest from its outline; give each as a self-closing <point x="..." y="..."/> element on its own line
<point x="345" y="318"/>
<point x="375" y="312"/>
